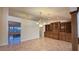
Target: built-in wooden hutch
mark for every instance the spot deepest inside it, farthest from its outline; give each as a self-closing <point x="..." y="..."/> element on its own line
<point x="59" y="31"/>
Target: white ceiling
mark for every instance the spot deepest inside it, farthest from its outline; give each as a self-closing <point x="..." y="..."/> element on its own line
<point x="62" y="13"/>
<point x="46" y="11"/>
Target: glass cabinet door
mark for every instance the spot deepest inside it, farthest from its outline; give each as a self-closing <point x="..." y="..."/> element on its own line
<point x="14" y="36"/>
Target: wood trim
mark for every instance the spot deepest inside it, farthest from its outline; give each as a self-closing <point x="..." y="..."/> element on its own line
<point x="74" y="30"/>
<point x="74" y="12"/>
<point x="14" y="33"/>
<point x="78" y="8"/>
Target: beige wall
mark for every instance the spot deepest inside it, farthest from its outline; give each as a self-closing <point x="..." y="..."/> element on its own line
<point x="3" y="26"/>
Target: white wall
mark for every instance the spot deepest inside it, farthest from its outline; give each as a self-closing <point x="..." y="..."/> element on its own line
<point x="30" y="29"/>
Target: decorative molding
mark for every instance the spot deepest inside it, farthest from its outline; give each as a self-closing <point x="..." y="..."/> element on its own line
<point x="78" y="8"/>
<point x="75" y="11"/>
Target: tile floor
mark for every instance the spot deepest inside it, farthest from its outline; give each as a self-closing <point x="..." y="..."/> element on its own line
<point x="45" y="44"/>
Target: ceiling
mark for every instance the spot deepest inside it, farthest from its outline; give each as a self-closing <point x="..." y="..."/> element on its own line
<point x="51" y="13"/>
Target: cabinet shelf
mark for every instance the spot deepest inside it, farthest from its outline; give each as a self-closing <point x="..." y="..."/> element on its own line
<point x="13" y="33"/>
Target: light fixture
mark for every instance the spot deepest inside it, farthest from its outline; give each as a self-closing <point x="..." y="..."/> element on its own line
<point x="40" y="25"/>
<point x="37" y="23"/>
<point x="41" y="21"/>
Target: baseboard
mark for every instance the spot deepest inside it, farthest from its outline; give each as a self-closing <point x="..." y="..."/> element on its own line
<point x="4" y="44"/>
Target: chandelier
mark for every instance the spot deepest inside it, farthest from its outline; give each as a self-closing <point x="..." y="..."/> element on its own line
<point x="41" y="21"/>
